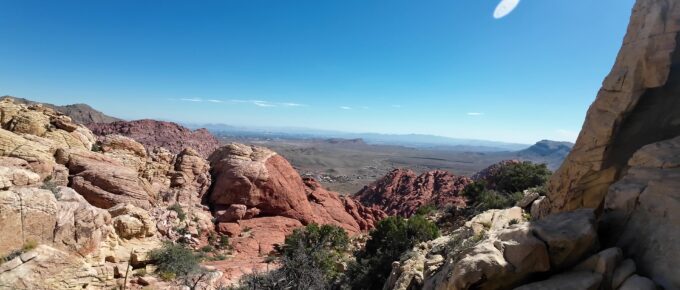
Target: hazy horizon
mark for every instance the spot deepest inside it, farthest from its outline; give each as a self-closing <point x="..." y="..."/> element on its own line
<point x="391" y="67"/>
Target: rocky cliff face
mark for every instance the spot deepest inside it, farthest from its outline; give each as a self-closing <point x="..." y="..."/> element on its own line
<point x="402" y="191"/>
<point x="624" y="161"/>
<point x="154" y="134"/>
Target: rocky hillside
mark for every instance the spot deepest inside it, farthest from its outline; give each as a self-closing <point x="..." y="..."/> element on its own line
<point x="79" y="113"/>
<point x="402" y="191"/>
<point x="80" y="211"/>
<point x="153" y="134"/>
<point x="552" y="153"/>
<point x="624" y="163"/>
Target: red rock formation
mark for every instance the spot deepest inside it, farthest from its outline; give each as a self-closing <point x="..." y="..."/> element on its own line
<point x="402" y="192"/>
<point x="152" y="134"/>
<point x="258" y="198"/>
<point x="330" y="207"/>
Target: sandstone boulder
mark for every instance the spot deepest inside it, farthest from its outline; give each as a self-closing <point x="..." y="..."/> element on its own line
<point x="641" y="211"/>
<point x="126" y="150"/>
<point x="51" y="268"/>
<point x="11" y="176"/>
<point x="132" y="222"/>
<point x="104" y="181"/>
<point x="27" y="215"/>
<point x="258" y="177"/>
<point x="80" y="227"/>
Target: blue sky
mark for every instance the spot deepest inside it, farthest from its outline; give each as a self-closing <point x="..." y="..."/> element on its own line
<point x="443" y="67"/>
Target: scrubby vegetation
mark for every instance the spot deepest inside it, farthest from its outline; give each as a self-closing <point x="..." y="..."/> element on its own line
<point x="504" y="188"/>
<point x="174" y="260"/>
<point x="517" y="177"/>
<point x="309" y="259"/>
<point x="426" y="209"/>
<point x="391" y="237"/>
<point x="180" y="212"/>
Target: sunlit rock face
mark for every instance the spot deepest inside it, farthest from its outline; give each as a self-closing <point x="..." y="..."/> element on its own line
<point x="624" y="163"/>
<point x="638" y="104"/>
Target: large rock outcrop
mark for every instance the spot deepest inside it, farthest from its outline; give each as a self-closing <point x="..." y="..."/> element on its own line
<point x="152" y="134"/>
<point x="258" y="198"/>
<point x="642" y="212"/>
<point x="402" y="192"/>
<point x="263" y="183"/>
<point x="637" y="105"/>
<point x="624" y="162"/>
<point x="104" y="181"/>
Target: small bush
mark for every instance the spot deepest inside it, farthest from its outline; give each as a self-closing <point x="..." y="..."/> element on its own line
<point x="481" y="199"/>
<point x="96" y="147"/>
<point x="309" y="260"/>
<point x="391" y="237"/>
<point x="224" y="242"/>
<point x="48" y="184"/>
<point x="426" y="209"/>
<point x="175" y="259"/>
<point x="29" y="245"/>
<point x="180" y="212"/>
<point x="207" y="249"/>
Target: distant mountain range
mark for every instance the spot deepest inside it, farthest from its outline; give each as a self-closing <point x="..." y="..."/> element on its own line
<point x="84" y="114"/>
<point x="407" y="140"/>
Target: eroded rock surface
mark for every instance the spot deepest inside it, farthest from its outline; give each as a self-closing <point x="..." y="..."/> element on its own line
<point x="402" y="192"/>
<point x="152" y="134"/>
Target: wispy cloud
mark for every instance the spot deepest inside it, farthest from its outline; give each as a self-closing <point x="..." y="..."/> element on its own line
<point x="259" y="103"/>
<point x="191" y="100"/>
<point x="293" y="105"/>
<point x="345" y="107"/>
<point x="475" y="114"/>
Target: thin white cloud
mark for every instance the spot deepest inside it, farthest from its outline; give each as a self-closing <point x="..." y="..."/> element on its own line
<point x="293" y="105"/>
<point x="268" y="104"/>
<point x="263" y="104"/>
<point x="191" y="100"/>
<point x="345" y="107"/>
<point x="475" y="114"/>
<point x="215" y="101"/>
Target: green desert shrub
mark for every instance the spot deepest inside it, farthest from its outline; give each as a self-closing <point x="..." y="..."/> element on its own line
<point x="426" y="209"/>
<point x="180" y="212"/>
<point x="517" y="177"/>
<point x="309" y="260"/>
<point x="388" y="241"/>
<point x="174" y="260"/>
